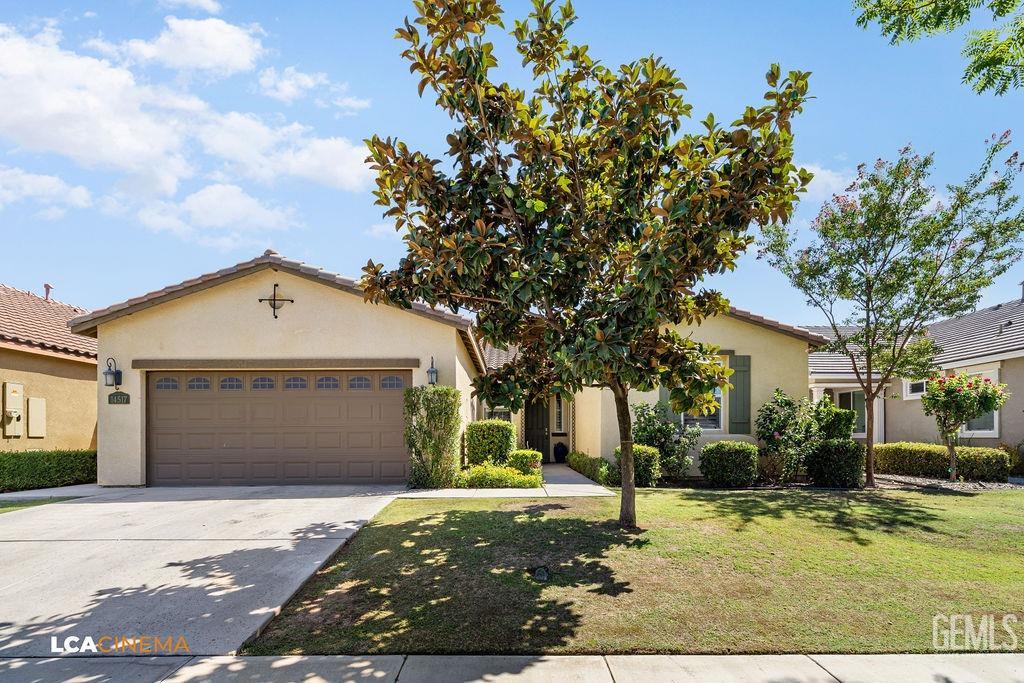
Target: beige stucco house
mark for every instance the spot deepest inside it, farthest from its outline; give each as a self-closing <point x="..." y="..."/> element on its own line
<point x="273" y="371"/>
<point x="47" y="375"/>
<point x="988" y="342"/>
<point x="764" y="355"/>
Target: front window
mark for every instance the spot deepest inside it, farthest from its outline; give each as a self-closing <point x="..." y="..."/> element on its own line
<point x="854" y="400"/>
<point x="711" y="421"/>
<point x="987" y="425"/>
<point x="499" y="413"/>
<point x="913" y="389"/>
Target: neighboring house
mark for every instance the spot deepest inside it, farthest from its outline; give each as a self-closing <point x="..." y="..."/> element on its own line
<point x="275" y="372"/>
<point x="268" y="372"/>
<point x="764" y="355"/>
<point x="832" y="375"/>
<point x="47" y="375"/>
<point x="988" y="342"/>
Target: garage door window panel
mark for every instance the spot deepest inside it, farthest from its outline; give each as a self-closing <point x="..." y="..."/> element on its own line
<point x="232" y="384"/>
<point x="359" y="383"/>
<point x="264" y="383"/>
<point x="296" y="383"/>
<point x="199" y="384"/>
<point x="391" y="382"/>
<point x="167" y="384"/>
<point x="328" y="383"/>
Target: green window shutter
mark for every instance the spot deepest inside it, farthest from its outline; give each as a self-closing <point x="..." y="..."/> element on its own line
<point x="663" y="395"/>
<point x="739" y="395"/>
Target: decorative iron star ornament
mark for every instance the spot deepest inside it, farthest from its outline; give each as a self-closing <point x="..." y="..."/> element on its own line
<point x="275" y="301"/>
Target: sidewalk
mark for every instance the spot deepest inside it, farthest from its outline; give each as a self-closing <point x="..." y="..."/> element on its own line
<point x="559" y="481"/>
<point x="947" y="668"/>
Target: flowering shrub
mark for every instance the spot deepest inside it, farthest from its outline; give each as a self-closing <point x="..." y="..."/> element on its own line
<point x="789" y="431"/>
<point x="655" y="427"/>
<point x="956" y="399"/>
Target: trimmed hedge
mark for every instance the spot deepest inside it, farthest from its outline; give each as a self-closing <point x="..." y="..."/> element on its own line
<point x="646" y="465"/>
<point x="525" y="460"/>
<point x="594" y="468"/>
<point x="488" y="476"/>
<point x="729" y="464"/>
<point x="490" y="441"/>
<point x="22" y="471"/>
<point x="932" y="460"/>
<point x="836" y="464"/>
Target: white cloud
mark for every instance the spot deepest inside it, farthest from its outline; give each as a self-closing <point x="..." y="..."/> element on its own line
<point x="51" y="213"/>
<point x="262" y="152"/>
<point x="382" y="231"/>
<point x="53" y="100"/>
<point x="218" y="215"/>
<point x="290" y="84"/>
<point x="826" y="182"/>
<point x="18" y="185"/>
<point x="208" y="45"/>
<point x="208" y="6"/>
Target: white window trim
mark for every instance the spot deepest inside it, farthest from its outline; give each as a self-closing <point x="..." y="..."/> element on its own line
<point x="984" y="433"/>
<point x="855" y="435"/>
<point x="907" y="395"/>
<point x="559" y="419"/>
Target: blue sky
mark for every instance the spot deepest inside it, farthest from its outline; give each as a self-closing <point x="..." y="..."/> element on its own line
<point x="148" y="141"/>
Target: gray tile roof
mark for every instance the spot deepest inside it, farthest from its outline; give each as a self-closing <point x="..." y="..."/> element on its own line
<point x="994" y="330"/>
<point x="495" y="358"/>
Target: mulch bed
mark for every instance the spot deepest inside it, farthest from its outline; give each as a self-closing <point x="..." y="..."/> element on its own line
<point x="908" y="483"/>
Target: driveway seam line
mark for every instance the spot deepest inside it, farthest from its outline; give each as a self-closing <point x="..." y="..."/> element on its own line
<point x="822" y="667"/>
<point x="401" y="667"/>
<point x="188" y="660"/>
<point x="608" y="666"/>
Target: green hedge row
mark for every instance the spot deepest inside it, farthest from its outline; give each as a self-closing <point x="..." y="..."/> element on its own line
<point x="729" y="464"/>
<point x="22" y="471"/>
<point x="932" y="460"/>
<point x="525" y="460"/>
<point x="489" y="441"/>
<point x="836" y="464"/>
<point x="646" y="465"/>
<point x="594" y="468"/>
<point x="488" y="476"/>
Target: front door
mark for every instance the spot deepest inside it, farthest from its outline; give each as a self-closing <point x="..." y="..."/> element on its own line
<point x="537" y="433"/>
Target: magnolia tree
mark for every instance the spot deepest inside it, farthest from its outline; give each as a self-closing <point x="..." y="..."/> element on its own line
<point x="956" y="400"/>
<point x="576" y="217"/>
<point x="891" y="254"/>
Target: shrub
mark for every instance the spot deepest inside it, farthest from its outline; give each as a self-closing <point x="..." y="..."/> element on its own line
<point x="932" y="460"/>
<point x="525" y="461"/>
<point x="490" y="441"/>
<point x="432" y="424"/>
<point x="490" y="476"/>
<point x="789" y="431"/>
<point x="595" y="468"/>
<point x="646" y="465"/>
<point x="836" y="464"/>
<point x="654" y="426"/>
<point x="833" y="422"/>
<point x="729" y="464"/>
<point x="22" y="471"/>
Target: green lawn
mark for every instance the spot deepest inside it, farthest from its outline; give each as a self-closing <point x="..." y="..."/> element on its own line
<point x="12" y="505"/>
<point x="750" y="571"/>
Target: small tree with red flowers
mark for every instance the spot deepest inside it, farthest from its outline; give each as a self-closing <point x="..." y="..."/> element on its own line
<point x="957" y="399"/>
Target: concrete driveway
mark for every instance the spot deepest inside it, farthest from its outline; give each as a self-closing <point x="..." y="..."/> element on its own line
<point x="210" y="564"/>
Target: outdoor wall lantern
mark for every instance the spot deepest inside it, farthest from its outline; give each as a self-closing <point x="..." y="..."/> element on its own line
<point x="112" y="376"/>
<point x="431" y="372"/>
<point x="275" y="301"/>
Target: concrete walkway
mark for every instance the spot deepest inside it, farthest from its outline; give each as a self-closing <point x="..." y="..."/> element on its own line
<point x="76" y="491"/>
<point x="947" y="668"/>
<point x="560" y="481"/>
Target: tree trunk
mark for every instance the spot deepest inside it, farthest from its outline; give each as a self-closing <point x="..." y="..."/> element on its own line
<point x="869" y="442"/>
<point x="627" y="508"/>
<point x="951" y="447"/>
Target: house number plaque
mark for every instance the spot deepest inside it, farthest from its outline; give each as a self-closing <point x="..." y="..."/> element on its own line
<point x="119" y="398"/>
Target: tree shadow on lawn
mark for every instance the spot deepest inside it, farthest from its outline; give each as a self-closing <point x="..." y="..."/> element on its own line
<point x="851" y="513"/>
<point x="458" y="581"/>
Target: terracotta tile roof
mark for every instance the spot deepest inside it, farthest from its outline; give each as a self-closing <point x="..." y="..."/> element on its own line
<point x="813" y="338"/>
<point x="86" y="324"/>
<point x="32" y="321"/>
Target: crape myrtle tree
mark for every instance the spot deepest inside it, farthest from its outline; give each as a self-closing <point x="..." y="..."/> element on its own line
<point x="577" y="218"/>
<point x="994" y="53"/>
<point x="956" y="400"/>
<point x="889" y="256"/>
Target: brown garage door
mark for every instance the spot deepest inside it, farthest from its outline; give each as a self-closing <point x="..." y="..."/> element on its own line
<point x="295" y="427"/>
